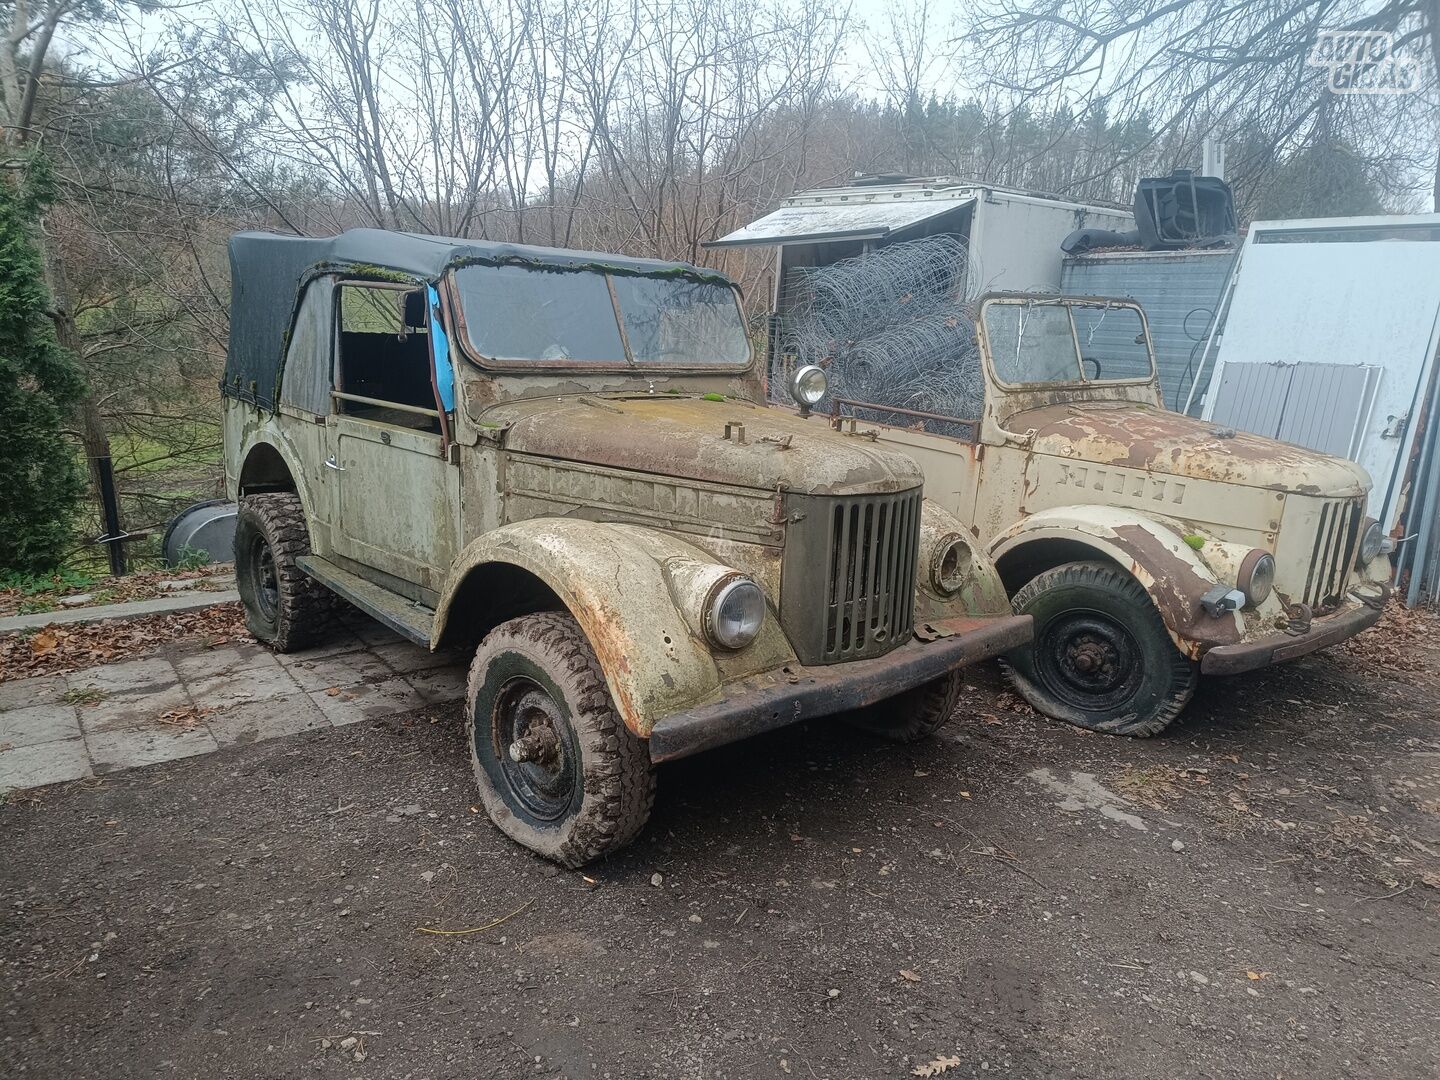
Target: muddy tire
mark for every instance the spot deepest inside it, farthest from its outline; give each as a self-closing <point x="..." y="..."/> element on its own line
<point x="1102" y="658"/>
<point x="558" y="770"/>
<point x="284" y="607"/>
<point x="914" y="715"/>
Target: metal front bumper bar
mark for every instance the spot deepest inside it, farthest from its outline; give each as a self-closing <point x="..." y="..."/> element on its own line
<point x="1277" y="648"/>
<point x="795" y="692"/>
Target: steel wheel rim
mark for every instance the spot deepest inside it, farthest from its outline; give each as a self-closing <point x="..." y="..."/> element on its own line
<point x="265" y="578"/>
<point x="535" y="747"/>
<point x="1089" y="660"/>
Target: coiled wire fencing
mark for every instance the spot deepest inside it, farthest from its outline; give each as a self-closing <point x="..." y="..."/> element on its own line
<point x="893" y="328"/>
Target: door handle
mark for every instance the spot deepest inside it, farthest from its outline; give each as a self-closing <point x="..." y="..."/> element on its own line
<point x="331" y="463"/>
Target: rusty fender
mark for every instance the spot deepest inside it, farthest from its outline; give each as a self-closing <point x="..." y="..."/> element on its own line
<point x="625" y="585"/>
<point x="1171" y="572"/>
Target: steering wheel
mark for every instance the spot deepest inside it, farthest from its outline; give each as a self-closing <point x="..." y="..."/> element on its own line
<point x="1092" y="360"/>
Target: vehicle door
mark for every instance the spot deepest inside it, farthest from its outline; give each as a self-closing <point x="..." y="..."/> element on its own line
<point x="305" y="406"/>
<point x="398" y="503"/>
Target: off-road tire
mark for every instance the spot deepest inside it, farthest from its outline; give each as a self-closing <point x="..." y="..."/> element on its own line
<point x="299" y="610"/>
<point x="914" y="715"/>
<point x="612" y="781"/>
<point x="1097" y="599"/>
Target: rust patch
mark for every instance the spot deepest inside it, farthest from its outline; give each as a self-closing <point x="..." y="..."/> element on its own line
<point x="1176" y="589"/>
<point x="1134" y="436"/>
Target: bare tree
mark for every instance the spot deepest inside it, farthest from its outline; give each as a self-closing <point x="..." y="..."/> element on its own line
<point x="1197" y="66"/>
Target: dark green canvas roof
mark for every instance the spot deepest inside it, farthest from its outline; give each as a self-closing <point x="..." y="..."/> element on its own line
<point x="268" y="270"/>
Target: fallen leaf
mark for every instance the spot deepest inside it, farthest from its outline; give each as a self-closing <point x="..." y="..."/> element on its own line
<point x="964" y="794"/>
<point x="909" y="976"/>
<point x="44" y="642"/>
<point x="936" y="1067"/>
<point x="332" y="690"/>
<point x="1431" y="878"/>
<point x="1257" y="975"/>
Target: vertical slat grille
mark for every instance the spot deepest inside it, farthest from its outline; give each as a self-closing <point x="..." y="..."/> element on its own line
<point x="856" y="556"/>
<point x="1333" y="553"/>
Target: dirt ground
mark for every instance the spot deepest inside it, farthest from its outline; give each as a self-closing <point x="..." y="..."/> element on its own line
<point x="1257" y="893"/>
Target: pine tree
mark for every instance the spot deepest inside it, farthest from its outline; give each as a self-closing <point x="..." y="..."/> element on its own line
<point x="40" y="483"/>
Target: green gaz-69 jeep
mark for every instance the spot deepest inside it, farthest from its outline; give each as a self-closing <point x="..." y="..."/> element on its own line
<point x="565" y="457"/>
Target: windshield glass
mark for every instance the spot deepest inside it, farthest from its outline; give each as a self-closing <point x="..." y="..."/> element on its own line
<point x="525" y="314"/>
<point x="1050" y="341"/>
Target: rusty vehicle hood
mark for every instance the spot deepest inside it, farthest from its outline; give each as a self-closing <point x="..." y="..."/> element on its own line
<point x="685" y="437"/>
<point x="1143" y="437"/>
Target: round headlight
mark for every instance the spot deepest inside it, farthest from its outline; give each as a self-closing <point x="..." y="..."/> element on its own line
<point x="1372" y="542"/>
<point x="734" y="613"/>
<point x="1256" y="577"/>
<point x="808" y="385"/>
<point x="950" y="565"/>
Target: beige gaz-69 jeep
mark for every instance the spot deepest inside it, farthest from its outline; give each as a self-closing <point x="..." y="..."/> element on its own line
<point x="566" y="458"/>
<point x="1148" y="546"/>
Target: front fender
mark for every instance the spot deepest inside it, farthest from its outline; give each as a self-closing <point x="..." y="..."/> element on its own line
<point x="1171" y="571"/>
<point x="614" y="580"/>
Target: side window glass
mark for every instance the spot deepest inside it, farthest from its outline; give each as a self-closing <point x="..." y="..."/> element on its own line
<point x="306" y="380"/>
<point x="385" y="355"/>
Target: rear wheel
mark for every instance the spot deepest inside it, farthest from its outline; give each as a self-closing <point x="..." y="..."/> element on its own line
<point x="916" y="714"/>
<point x="558" y="770"/>
<point x="284" y="607"/>
<point x="1102" y="658"/>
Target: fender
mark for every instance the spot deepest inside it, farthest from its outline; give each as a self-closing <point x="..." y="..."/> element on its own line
<point x="614" y="580"/>
<point x="1172" y="573"/>
<point x="250" y="427"/>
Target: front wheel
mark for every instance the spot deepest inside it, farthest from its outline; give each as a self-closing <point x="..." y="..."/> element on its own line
<point x="558" y="770"/>
<point x="1102" y="658"/>
<point x="914" y="715"/>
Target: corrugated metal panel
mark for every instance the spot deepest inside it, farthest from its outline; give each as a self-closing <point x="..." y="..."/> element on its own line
<point x="1251" y="397"/>
<point x="1178" y="290"/>
<point x="861" y="219"/>
<point x="1326" y="406"/>
<point x="1320" y="406"/>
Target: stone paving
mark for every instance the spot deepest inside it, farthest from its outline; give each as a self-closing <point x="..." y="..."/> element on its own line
<point x="191" y="700"/>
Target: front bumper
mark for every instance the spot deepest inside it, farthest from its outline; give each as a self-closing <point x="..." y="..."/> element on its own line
<point x="795" y="692"/>
<point x="1277" y="648"/>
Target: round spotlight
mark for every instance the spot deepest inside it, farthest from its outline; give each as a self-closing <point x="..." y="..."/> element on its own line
<point x="734" y="613"/>
<point x="1256" y="577"/>
<point x="808" y="385"/>
<point x="1372" y="543"/>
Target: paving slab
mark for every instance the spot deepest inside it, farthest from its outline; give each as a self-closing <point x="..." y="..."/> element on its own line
<point x="126" y="676"/>
<point x="439" y="685"/>
<point x="259" y="720"/>
<point x="137" y="708"/>
<point x="38" y="724"/>
<point x="348" y="670"/>
<point x="112" y="751"/>
<point x="368" y="701"/>
<point x="41" y="690"/>
<point x="406" y="656"/>
<point x="136" y="609"/>
<point x="336" y="643"/>
<point x="45" y="763"/>
<point x="257" y="683"/>
<point x="223" y="660"/>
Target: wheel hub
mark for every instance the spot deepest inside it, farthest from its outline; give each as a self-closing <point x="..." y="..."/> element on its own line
<point x="1089" y="660"/>
<point x="531" y="739"/>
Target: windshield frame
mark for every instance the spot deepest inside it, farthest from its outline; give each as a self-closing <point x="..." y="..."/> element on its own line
<point x="1069" y="303"/>
<point x="454" y="304"/>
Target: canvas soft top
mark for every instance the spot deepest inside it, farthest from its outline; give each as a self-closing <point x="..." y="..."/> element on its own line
<point x="269" y="270"/>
